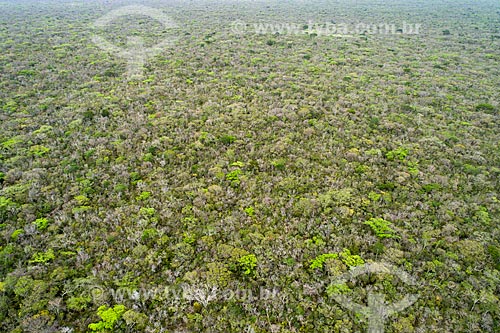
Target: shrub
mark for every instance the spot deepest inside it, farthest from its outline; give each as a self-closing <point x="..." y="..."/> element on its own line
<point x="109" y="318"/>
<point x="337" y="288"/>
<point x="143" y="196"/>
<point x="38" y="150"/>
<point x="495" y="255"/>
<point x="78" y="303"/>
<point x="135" y="319"/>
<point x="218" y="274"/>
<point x="381" y="228"/>
<point x="15" y="235"/>
<point x="43" y="257"/>
<point x="250" y="211"/>
<point x="485" y="107"/>
<point x="82" y="200"/>
<point x="351" y="260"/>
<point x="5" y="206"/>
<point x="41" y="223"/>
<point x="188" y="238"/>
<point x="279" y="164"/>
<point x="247" y="264"/>
<point x="399" y="153"/>
<point x="227" y="139"/>
<point x="234" y="177"/>
<point x="149" y="234"/>
<point x="320" y="260"/>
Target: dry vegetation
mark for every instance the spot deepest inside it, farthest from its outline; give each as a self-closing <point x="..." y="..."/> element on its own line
<point x="249" y="162"/>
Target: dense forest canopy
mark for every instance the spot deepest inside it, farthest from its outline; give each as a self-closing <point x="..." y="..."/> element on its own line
<point x="249" y="166"/>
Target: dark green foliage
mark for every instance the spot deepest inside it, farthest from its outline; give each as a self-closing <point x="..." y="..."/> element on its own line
<point x="494" y="252"/>
<point x="486" y="108"/>
<point x="227" y="139"/>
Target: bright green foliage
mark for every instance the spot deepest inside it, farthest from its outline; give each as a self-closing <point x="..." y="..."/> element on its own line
<point x="413" y="168"/>
<point x="247" y="264"/>
<point x="81" y="209"/>
<point x="238" y="164"/>
<point x="362" y="168"/>
<point x="39" y="150"/>
<point x="143" y="196"/>
<point x="234" y="177"/>
<point x="41" y="223"/>
<point x="188" y="238"/>
<point x="320" y="260"/>
<point x="482" y="215"/>
<point x="135" y="177"/>
<point x="10" y="106"/>
<point x="381" y="228"/>
<point x="147" y="211"/>
<point x="399" y="153"/>
<point x="5" y="205"/>
<point x="351" y="260"/>
<point x="250" y="211"/>
<point x="120" y="187"/>
<point x="43" y="257"/>
<point x="43" y="129"/>
<point x="149" y="233"/>
<point x="428" y="188"/>
<point x="471" y="169"/>
<point x="373" y="196"/>
<point x="316" y="241"/>
<point x="10" y="143"/>
<point x="15" y="235"/>
<point x="109" y="318"/>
